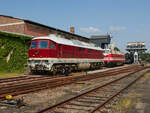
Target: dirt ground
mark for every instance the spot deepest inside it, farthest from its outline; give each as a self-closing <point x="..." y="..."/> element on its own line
<point x="136" y="99"/>
<point x="42" y="99"/>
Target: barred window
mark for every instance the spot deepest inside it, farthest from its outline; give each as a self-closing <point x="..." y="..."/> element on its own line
<point x="52" y="45"/>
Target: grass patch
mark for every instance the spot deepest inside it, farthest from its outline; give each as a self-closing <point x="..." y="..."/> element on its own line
<point x="123" y="104"/>
<point x="126" y="104"/>
<point x="5" y="75"/>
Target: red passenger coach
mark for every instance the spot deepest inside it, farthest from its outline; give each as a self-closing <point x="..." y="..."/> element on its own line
<point x="57" y="54"/>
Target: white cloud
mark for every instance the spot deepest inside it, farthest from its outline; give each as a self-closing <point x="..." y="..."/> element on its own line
<point x="90" y="29"/>
<point x="117" y="28"/>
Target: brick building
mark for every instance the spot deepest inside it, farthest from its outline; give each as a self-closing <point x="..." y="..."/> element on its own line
<point x="27" y="27"/>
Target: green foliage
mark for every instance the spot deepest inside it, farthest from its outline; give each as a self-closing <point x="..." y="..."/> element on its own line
<point x="117" y="49"/>
<point x="19" y="45"/>
<point x="22" y="37"/>
<point x="145" y="56"/>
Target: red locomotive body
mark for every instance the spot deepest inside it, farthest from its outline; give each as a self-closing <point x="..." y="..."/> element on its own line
<point x="113" y="58"/>
<point x="54" y="54"/>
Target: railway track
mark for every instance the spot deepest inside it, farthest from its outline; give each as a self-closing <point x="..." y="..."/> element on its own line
<point x="23" y="85"/>
<point x="94" y="100"/>
<point x="21" y="79"/>
<point x="7" y="80"/>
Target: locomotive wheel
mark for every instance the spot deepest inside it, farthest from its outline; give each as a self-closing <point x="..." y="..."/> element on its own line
<point x="65" y="71"/>
<point x="54" y="70"/>
<point x="28" y="71"/>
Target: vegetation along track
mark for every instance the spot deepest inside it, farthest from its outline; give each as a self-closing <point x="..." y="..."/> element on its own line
<point x="94" y="100"/>
<point x="22" y="85"/>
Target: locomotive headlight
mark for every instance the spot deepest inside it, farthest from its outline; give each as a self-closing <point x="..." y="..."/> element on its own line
<point x="29" y="61"/>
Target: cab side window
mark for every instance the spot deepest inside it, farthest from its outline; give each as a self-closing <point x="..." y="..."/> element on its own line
<point x="52" y="45"/>
<point x="33" y="45"/>
<point x="43" y="44"/>
<point x="59" y="46"/>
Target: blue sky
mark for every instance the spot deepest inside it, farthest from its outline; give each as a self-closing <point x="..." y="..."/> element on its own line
<point x="126" y="20"/>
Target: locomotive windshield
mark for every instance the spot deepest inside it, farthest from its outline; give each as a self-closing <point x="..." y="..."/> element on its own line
<point x="43" y="44"/>
<point x="33" y="45"/>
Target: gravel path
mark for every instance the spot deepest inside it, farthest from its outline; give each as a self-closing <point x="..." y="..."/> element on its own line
<point x="136" y="99"/>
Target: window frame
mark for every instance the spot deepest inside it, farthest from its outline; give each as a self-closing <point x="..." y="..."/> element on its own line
<point x="36" y="44"/>
<point x="43" y="41"/>
<point x="51" y="42"/>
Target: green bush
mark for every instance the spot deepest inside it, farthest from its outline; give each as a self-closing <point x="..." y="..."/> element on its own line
<point x="19" y="45"/>
<point x="145" y="56"/>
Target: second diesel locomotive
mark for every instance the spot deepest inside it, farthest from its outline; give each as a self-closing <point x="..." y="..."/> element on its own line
<point x="57" y="54"/>
<point x="113" y="58"/>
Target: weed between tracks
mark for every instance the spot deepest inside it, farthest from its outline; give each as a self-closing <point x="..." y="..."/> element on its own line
<point x="42" y="99"/>
<point x="136" y="99"/>
<point x="124" y="104"/>
<point x="5" y="75"/>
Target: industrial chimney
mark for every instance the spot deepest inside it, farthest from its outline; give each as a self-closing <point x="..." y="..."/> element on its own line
<point x="72" y="30"/>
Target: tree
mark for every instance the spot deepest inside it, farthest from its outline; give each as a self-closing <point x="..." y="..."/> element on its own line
<point x="145" y="56"/>
<point x="117" y="49"/>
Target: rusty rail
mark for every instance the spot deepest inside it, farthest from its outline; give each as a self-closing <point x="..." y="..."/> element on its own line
<point x="70" y="101"/>
<point x="45" y="83"/>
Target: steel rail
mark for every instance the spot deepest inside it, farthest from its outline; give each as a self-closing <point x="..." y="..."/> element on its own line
<point x="32" y="81"/>
<point x="20" y="89"/>
<point x="5" y="80"/>
<point x="51" y="108"/>
<point x="112" y="97"/>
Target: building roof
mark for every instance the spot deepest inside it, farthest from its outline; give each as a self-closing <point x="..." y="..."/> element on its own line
<point x="100" y="36"/>
<point x="135" y="43"/>
<point x="32" y="22"/>
<point x="134" y="46"/>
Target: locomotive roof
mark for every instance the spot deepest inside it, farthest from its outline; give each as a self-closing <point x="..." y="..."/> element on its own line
<point x="72" y="42"/>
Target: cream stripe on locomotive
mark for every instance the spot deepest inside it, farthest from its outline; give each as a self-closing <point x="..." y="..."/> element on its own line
<point x="67" y="60"/>
<point x="112" y="59"/>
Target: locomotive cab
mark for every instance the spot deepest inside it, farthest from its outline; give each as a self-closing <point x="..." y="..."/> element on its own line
<point x="40" y="51"/>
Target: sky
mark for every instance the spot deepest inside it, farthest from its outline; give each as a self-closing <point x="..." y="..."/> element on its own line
<point x="125" y="20"/>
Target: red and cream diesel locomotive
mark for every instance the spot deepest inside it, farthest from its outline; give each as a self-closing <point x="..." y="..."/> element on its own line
<point x="113" y="57"/>
<point x="56" y="54"/>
